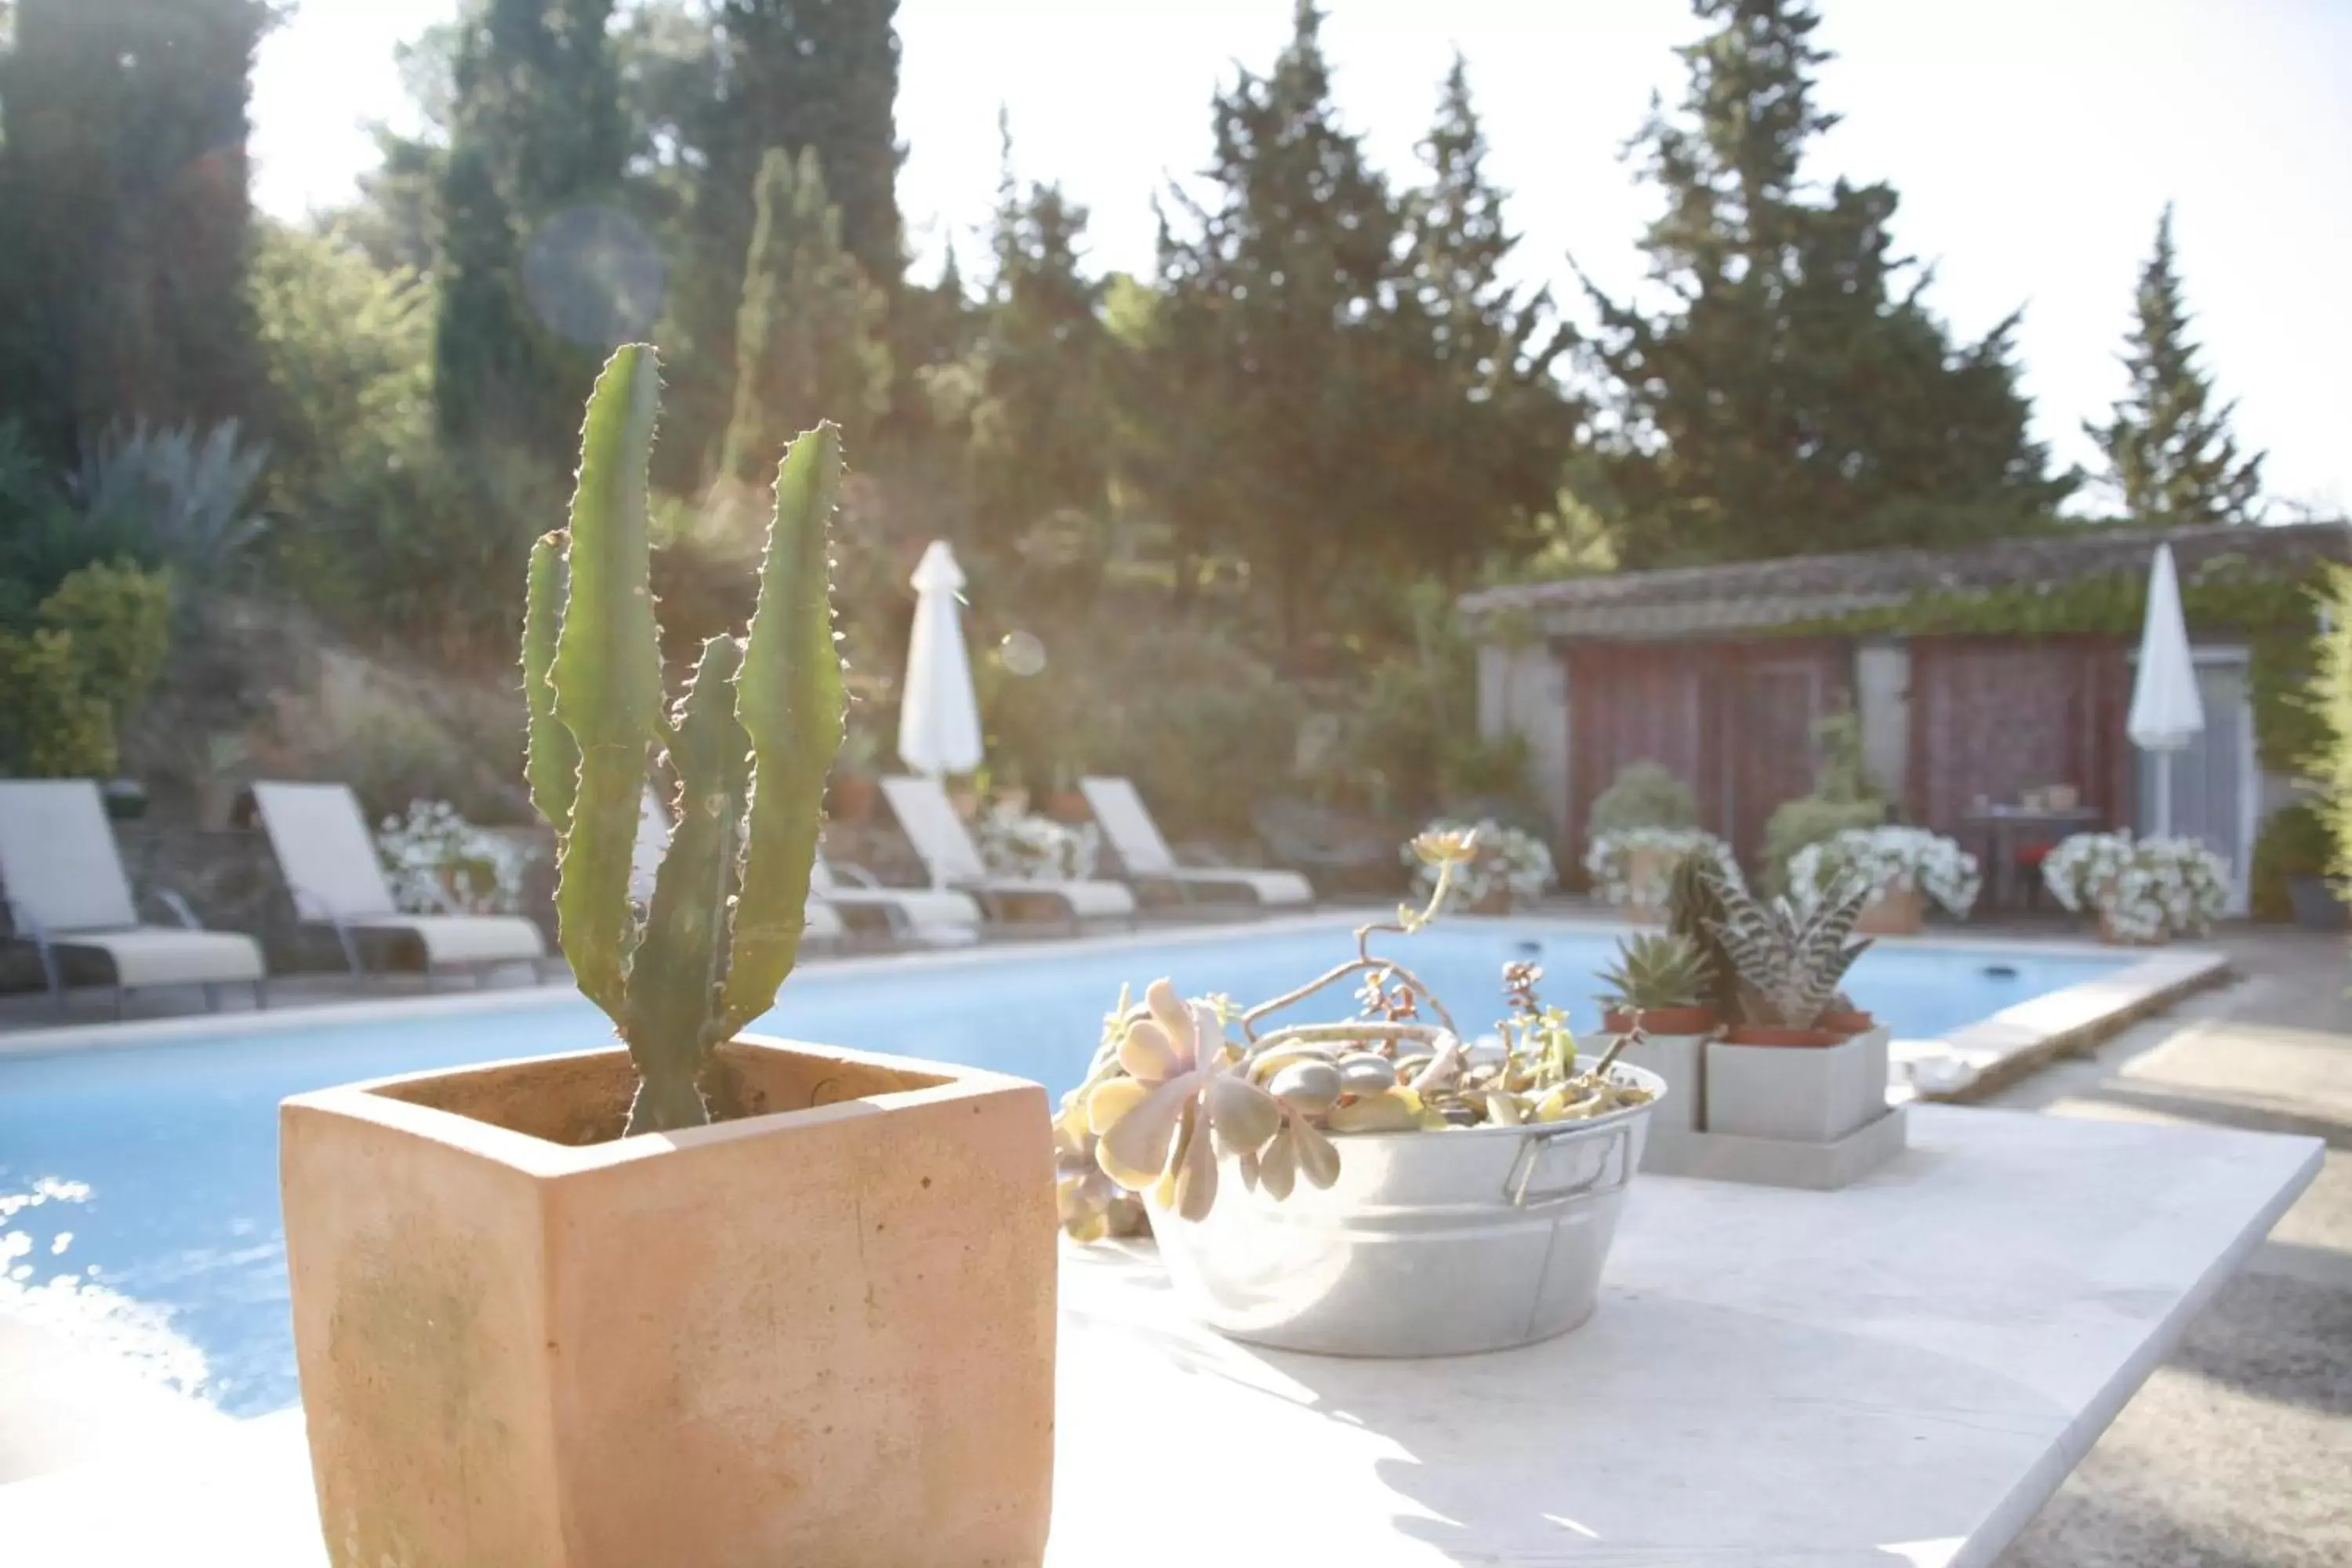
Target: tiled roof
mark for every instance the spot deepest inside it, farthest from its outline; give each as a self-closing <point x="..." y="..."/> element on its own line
<point x="1759" y="595"/>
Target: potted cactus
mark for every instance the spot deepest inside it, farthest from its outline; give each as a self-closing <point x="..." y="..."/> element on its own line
<point x="1796" y="1063"/>
<point x="1375" y="1185"/>
<point x="711" y="1297"/>
<point x="1655" y="987"/>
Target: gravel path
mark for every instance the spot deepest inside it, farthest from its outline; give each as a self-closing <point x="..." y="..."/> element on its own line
<point x="2238" y="1453"/>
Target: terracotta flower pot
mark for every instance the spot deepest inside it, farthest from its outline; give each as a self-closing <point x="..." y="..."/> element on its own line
<point x="1013" y="802"/>
<point x="1767" y="1035"/>
<point x="850" y="797"/>
<point x="1846" y="1022"/>
<point x="1068" y="805"/>
<point x="1648" y="875"/>
<point x="1899" y="911"/>
<point x="821" y="1333"/>
<point x="1494" y="901"/>
<point x="1662" y="1020"/>
<point x="966" y="802"/>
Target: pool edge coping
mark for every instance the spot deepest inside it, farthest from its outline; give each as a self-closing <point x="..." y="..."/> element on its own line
<point x="1993" y="1052"/>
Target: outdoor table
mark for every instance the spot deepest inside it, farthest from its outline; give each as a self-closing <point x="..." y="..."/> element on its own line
<point x="1902" y="1371"/>
<point x="2003" y="829"/>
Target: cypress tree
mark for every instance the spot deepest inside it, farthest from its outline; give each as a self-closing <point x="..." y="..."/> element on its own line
<point x="801" y="75"/>
<point x="126" y="214"/>
<point x="1041" y="430"/>
<point x="1799" y="396"/>
<point x="808" y="339"/>
<point x="2170" y="455"/>
<point x="1482" y="423"/>
<point x="536" y="132"/>
<point x="1261" y="382"/>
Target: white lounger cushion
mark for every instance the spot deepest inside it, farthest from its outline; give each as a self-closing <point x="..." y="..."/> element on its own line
<point x="464" y="939"/>
<point x="161" y="956"/>
<point x="1137" y="838"/>
<point x="939" y="836"/>
<point x="1267" y="887"/>
<point x="60" y="866"/>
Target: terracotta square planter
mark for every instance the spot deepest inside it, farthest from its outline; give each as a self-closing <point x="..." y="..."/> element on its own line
<point x="821" y="1333"/>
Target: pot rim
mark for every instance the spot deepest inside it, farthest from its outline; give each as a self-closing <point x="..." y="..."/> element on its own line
<point x="364" y="1101"/>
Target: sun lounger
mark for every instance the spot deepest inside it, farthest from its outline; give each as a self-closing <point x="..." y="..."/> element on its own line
<point x="1127" y="824"/>
<point x="937" y="917"/>
<point x="66" y="892"/>
<point x="330" y="868"/>
<point x="953" y="860"/>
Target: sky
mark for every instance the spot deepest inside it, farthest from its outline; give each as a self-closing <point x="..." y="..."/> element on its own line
<point x="2032" y="142"/>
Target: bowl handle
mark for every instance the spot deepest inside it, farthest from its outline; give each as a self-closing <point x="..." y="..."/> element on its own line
<point x="1531" y="1150"/>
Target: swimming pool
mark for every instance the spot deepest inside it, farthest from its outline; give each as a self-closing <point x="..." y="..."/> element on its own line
<point x="139" y="1183"/>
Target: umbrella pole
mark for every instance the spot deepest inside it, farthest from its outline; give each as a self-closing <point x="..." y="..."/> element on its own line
<point x="2163" y="794"/>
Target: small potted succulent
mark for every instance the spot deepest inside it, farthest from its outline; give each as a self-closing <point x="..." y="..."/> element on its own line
<point x="711" y="1297"/>
<point x="1510" y="867"/>
<point x="1903" y="867"/>
<point x="1658" y="985"/>
<point x="1798" y="1062"/>
<point x="1375" y="1185"/>
<point x="438" y="863"/>
<point x="2144" y="892"/>
<point x="1017" y="843"/>
<point x="1633" y="868"/>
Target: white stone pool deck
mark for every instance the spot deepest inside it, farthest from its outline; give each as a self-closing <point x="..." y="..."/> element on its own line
<point x="1901" y="1372"/>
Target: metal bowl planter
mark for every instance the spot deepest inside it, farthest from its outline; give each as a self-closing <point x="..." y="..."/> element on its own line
<point x="1429" y="1243"/>
<point x="1376" y="1185"/>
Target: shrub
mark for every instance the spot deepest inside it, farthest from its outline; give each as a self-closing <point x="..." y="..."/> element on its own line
<point x="97" y="643"/>
<point x="2142" y="890"/>
<point x="191" y="499"/>
<point x="1644" y="795"/>
<point x="2293" y="842"/>
<point x="50" y="726"/>
<point x="2331" y="705"/>
<point x="1882" y="858"/>
<point x="1808" y="820"/>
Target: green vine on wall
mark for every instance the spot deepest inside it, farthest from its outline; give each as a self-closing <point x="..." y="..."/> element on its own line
<point x="2275" y="617"/>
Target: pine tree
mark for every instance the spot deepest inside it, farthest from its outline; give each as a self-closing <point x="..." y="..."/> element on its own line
<point x="126" y="217"/>
<point x="536" y="133"/>
<point x="1041" y="429"/>
<point x="2171" y="455"/>
<point x="1799" y="396"/>
<point x="801" y="75"/>
<point x="1265" y="359"/>
<point x="808" y="340"/>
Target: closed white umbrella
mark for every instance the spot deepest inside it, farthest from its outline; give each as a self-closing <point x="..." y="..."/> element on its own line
<point x="939" y="721"/>
<point x="2166" y="713"/>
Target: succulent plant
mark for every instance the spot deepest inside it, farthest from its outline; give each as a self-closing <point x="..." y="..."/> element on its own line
<point x="1695" y="908"/>
<point x="1655" y="969"/>
<point x="1788" y="962"/>
<point x="1172" y="1094"/>
<point x="749" y="741"/>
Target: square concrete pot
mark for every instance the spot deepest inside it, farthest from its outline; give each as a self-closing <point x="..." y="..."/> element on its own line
<point x="1814" y="1094"/>
<point x="1681" y="1060"/>
<point x="821" y="1333"/>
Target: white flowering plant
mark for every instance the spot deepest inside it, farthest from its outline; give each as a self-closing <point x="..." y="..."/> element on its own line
<point x="1506" y="861"/>
<point x="1634" y="864"/>
<point x="1887" y="859"/>
<point x="437" y="862"/>
<point x="2142" y="890"/>
<point x="1022" y="844"/>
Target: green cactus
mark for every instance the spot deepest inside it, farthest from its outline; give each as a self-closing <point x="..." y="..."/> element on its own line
<point x="749" y="741"/>
<point x="1655" y="969"/>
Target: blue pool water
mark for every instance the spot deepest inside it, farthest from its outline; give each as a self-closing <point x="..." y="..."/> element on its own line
<point x="139" y="1185"/>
